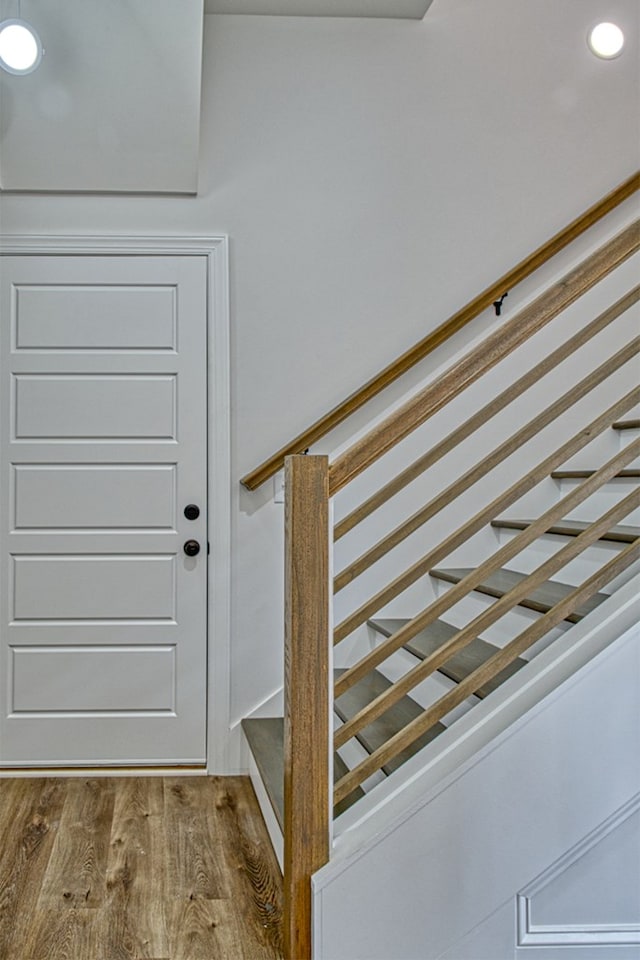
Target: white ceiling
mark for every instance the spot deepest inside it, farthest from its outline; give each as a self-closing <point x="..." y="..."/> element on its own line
<point x="115" y="103"/>
<point x="398" y="9"/>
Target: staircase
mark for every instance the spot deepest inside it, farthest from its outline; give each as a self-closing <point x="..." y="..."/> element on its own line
<point x="420" y="639"/>
<point x="266" y="735"/>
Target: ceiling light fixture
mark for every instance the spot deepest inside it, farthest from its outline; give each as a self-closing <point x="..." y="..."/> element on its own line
<point x="20" y="47"/>
<point x="606" y="40"/>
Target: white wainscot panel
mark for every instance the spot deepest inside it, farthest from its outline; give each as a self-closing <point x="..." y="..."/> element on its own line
<point x="591" y="896"/>
<point x="95" y="407"/>
<point x="82" y="317"/>
<point x="88" y="496"/>
<point x="94" y="587"/>
<point x="70" y="679"/>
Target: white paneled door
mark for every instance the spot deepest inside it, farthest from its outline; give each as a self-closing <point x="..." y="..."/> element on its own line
<point x="103" y="510"/>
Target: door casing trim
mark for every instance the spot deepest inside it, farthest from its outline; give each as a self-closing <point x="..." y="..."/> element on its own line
<point x="216" y="251"/>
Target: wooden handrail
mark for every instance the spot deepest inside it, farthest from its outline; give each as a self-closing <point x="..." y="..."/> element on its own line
<point x="444" y="332"/>
<point x="487" y="464"/>
<point x="465" y="688"/>
<point x="421" y="567"/>
<point x="426" y="667"/>
<point x="482" y="358"/>
<point x="306" y="722"/>
<point x="482" y="416"/>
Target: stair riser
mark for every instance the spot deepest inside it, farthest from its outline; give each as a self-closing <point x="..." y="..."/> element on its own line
<point x="605" y="498"/>
<point x="575" y="572"/>
<point x="476" y="550"/>
<point x="430" y="690"/>
<point x="354" y="753"/>
<point x="506" y="628"/>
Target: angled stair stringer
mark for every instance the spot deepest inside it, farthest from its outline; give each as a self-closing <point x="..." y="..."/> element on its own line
<point x="487" y="807"/>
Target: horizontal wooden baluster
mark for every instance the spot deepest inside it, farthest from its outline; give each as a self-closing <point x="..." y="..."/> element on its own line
<point x="485" y="466"/>
<point x="431" y="663"/>
<point x="531" y="377"/>
<point x="416" y="728"/>
<point x="444" y="332"/>
<point x="484" y="516"/>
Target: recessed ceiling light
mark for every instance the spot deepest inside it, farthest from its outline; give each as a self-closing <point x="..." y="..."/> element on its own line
<point x="606" y="40"/>
<point x="20" y="47"/>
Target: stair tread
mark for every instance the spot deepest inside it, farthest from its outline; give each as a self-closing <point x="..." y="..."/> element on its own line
<point x="398" y="716"/>
<point x="541" y="599"/>
<point x="462" y="663"/>
<point x="265" y="736"/>
<point x="632" y="424"/>
<point x="630" y="474"/>
<point x="620" y="533"/>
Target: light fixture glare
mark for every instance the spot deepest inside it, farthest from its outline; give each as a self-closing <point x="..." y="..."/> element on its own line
<point x="606" y="40"/>
<point x="20" y="47"/>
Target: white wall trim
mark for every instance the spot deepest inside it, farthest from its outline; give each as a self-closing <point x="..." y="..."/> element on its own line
<point x="216" y="250"/>
<point x="532" y="934"/>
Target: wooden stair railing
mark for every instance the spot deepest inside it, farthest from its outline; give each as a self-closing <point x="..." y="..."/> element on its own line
<point x="492" y="668"/>
<point x="511" y="549"/>
<point x="484" y="516"/>
<point x="444" y="332"/>
<point x="482" y="416"/>
<point x="310" y="482"/>
<point x="489" y="463"/>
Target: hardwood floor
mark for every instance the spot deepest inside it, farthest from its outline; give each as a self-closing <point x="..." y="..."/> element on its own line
<point x="160" y="868"/>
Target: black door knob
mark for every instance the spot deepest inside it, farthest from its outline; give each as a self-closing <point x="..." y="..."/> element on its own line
<point x="192" y="548"/>
<point x="191" y="511"/>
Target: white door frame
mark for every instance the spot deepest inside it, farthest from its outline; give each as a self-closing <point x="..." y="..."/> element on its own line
<point x="216" y="251"/>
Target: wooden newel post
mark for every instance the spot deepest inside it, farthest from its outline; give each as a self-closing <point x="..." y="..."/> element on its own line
<point x="306" y="708"/>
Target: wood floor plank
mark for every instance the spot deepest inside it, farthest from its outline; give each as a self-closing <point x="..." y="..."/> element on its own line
<point x="29" y="832"/>
<point x="207" y="929"/>
<point x="76" y="873"/>
<point x="251" y="863"/>
<point x="138" y="859"/>
<point x="193" y="852"/>
<point x="61" y="934"/>
<point x="133" y="922"/>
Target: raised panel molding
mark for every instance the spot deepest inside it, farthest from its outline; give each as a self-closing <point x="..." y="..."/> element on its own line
<point x="535" y="930"/>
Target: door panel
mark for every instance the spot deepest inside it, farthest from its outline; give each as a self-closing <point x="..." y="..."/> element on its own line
<point x="95" y="318"/>
<point x="93" y="679"/>
<point x="94" y="588"/>
<point x="82" y="407"/>
<point x="102" y="445"/>
<point x="94" y="497"/>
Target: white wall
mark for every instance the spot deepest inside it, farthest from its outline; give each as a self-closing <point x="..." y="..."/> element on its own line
<point x="372" y="176"/>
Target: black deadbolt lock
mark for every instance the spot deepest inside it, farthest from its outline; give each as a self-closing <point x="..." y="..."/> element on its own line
<point x="191" y="511"/>
<point x="192" y="548"/>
